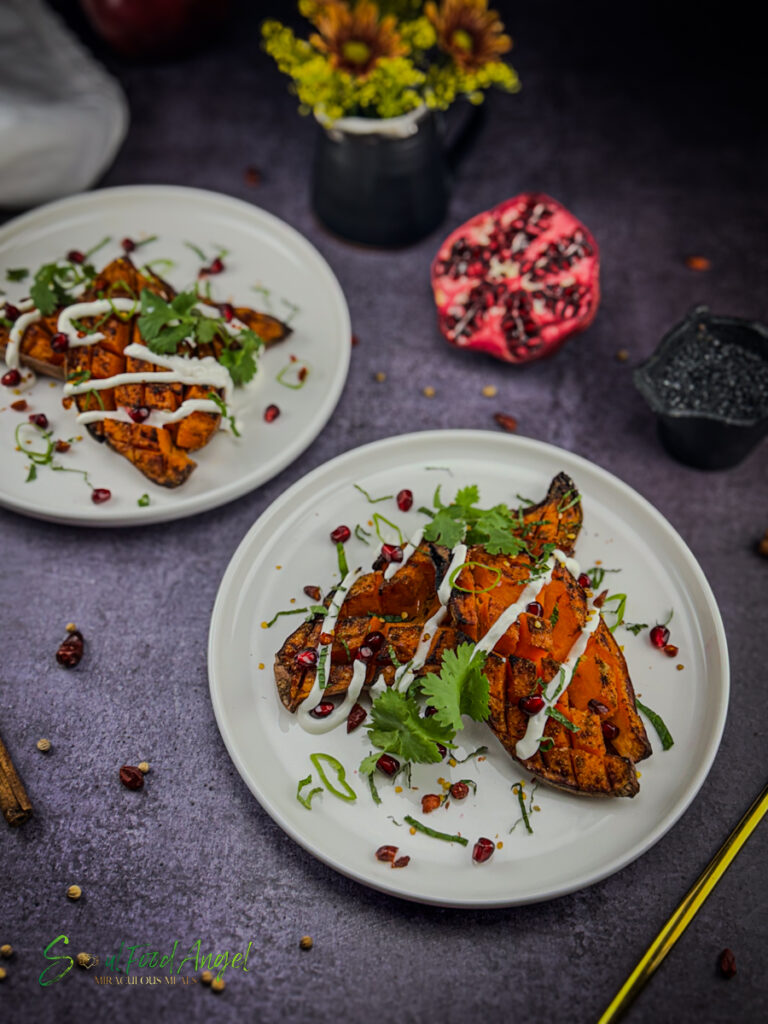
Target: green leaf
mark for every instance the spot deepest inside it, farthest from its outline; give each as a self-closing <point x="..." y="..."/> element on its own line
<point x="16" y="274"/>
<point x="143" y="501"/>
<point x="155" y="314"/>
<point x="398" y="728"/>
<point x="446" y="528"/>
<point x="658" y="724"/>
<point x="494" y="531"/>
<point x="467" y="496"/>
<point x="461" y="688"/>
<point x="368" y="764"/>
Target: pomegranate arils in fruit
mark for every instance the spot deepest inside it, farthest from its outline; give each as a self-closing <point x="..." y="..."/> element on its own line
<point x="386" y="853"/>
<point x="60" y="342"/>
<point x="39" y="419"/>
<point x="659" y="636"/>
<point x="610" y="731"/>
<point x="404" y="499"/>
<point x="323" y="709"/>
<point x="430" y="802"/>
<point x="584" y="581"/>
<point x="11" y="379"/>
<point x="307" y="658"/>
<point x="271" y="413"/>
<point x="401" y="862"/>
<point x="670" y="650"/>
<point x="128" y="245"/>
<point x="10" y="312"/>
<point x="100" y="494"/>
<point x="138" y="415"/>
<point x="517" y="280"/>
<point x="531" y="705"/>
<point x="341" y="534"/>
<point x="356" y="717"/>
<point x="534" y="608"/>
<point x="459" y="790"/>
<point x="483" y="850"/>
<point x="75" y="256"/>
<point x="392" y="553"/>
<point x="387" y="764"/>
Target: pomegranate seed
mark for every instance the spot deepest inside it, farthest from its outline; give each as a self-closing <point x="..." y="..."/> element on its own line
<point x="386" y="853"/>
<point x="374" y="640"/>
<point x="670" y="650"/>
<point x="314" y="592"/>
<point x="341" y="534"/>
<point x="430" y="802"/>
<point x="71" y="650"/>
<point x="252" y="176"/>
<point x="610" y="731"/>
<point x="659" y="636"/>
<point x="443" y="750"/>
<point x="128" y="245"/>
<point x="131" y="776"/>
<point x="365" y="654"/>
<point x="75" y="256"/>
<point x="100" y="495"/>
<point x="228" y="311"/>
<point x="483" y="850"/>
<point x="404" y="499"/>
<point x="217" y="266"/>
<point x="429" y="710"/>
<point x="392" y="553"/>
<point x="271" y="413"/>
<point x="11" y="312"/>
<point x="356" y="716"/>
<point x="59" y="342"/>
<point x="323" y="709"/>
<point x="39" y="419"/>
<point x="585" y="581"/>
<point x="302" y="374"/>
<point x="402" y="862"/>
<point x="727" y="964"/>
<point x="459" y="790"/>
<point x="508" y="423"/>
<point x="598" y="707"/>
<point x="307" y="658"/>
<point x="139" y="414"/>
<point x="19" y="405"/>
<point x="700" y="263"/>
<point x="11" y="379"/>
<point x="531" y="705"/>
<point x="355" y="341"/>
<point x="387" y="764"/>
<point x="534" y="608"/>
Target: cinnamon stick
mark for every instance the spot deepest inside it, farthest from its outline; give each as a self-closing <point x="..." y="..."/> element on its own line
<point x="14" y="802"/>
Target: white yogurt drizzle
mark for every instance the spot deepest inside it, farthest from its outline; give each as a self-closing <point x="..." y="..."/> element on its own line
<point x="161" y="416"/>
<point x="96" y="308"/>
<point x="408" y="550"/>
<point x="304" y="714"/>
<point x="457" y="559"/>
<point x="29" y="316"/>
<point x="181" y="370"/>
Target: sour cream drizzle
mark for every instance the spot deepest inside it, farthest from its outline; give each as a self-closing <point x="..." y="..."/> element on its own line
<point x="29" y="316"/>
<point x="304" y="713"/>
<point x="408" y="550"/>
<point x="162" y="416"/>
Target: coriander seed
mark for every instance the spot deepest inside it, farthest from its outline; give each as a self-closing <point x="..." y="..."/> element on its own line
<point x="83" y="960"/>
<point x="206" y="977"/>
<point x="6" y="951"/>
<point x="428" y="392"/>
<point x="306" y="942"/>
<point x="74" y="892"/>
<point x="490" y="391"/>
<point x="143" y="767"/>
<point x="71" y="627"/>
<point x="44" y="745"/>
<point x="217" y="985"/>
<point x="3" y="974"/>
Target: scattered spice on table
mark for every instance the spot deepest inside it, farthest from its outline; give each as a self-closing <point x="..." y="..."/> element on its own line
<point x="206" y="977"/>
<point x="490" y="391"/>
<point x="428" y="392"/>
<point x="218" y="985"/>
<point x="508" y="423"/>
<point x="306" y="942"/>
<point x="74" y="892"/>
<point x="622" y="355"/>
<point x="131" y="776"/>
<point x="143" y="767"/>
<point x="699" y="263"/>
<point x="727" y="963"/>
<point x="43" y="745"/>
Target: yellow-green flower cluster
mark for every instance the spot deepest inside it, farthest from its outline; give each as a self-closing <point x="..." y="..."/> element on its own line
<point x="392" y="84"/>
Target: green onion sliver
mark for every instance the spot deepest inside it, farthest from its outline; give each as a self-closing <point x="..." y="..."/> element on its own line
<point x="373" y="501"/>
<point x="347" y="793"/>
<point x="305" y="799"/>
<point x="435" y="834"/>
<point x="518" y="789"/>
<point x="377" y="520"/>
<point x="374" y="791"/>
<point x="340" y="554"/>
<point x="480" y="565"/>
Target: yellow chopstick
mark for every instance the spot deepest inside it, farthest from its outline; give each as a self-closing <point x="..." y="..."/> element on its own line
<point x="687" y="910"/>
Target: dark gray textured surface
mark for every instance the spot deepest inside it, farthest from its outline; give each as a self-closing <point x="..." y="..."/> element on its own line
<point x="659" y="163"/>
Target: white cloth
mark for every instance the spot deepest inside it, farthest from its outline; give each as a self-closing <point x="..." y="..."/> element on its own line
<point x="62" y="117"/>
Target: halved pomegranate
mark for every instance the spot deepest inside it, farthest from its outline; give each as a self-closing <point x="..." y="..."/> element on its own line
<point x="517" y="280"/>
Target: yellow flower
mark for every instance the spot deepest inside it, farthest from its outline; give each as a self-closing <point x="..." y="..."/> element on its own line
<point x="468" y="31"/>
<point x="355" y="39"/>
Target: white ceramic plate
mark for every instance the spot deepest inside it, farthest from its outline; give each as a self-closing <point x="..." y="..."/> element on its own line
<point x="263" y="252"/>
<point x="576" y="840"/>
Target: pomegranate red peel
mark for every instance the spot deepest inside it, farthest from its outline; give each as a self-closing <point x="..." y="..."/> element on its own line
<point x="517" y="280"/>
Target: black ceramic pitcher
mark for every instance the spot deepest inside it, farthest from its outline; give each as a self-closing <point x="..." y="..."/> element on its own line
<point x="385" y="183"/>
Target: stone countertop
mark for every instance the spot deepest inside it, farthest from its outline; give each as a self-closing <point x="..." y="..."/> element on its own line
<point x="659" y="165"/>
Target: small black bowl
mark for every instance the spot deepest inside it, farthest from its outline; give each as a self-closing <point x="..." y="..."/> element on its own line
<point x="708" y="390"/>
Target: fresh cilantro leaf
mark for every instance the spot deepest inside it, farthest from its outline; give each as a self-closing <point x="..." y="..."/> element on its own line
<point x="446" y="528"/>
<point x="494" y="531"/>
<point x="207" y="329"/>
<point x="155" y="314"/>
<point x="467" y="496"/>
<point x="398" y="728"/>
<point x="461" y="688"/>
<point x="183" y="303"/>
<point x="368" y="764"/>
<point x="635" y="627"/>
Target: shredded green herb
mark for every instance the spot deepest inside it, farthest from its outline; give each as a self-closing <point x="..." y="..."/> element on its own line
<point x="377" y="520"/>
<point x="475" y="753"/>
<point x="16" y="274"/>
<point x="224" y="410"/>
<point x="635" y="627"/>
<point x="414" y="823"/>
<point x="305" y="799"/>
<point x="373" y="501"/>
<point x="302" y="376"/>
<point x="143" y="501"/>
<point x="560" y="717"/>
<point x="361" y="534"/>
<point x="374" y="791"/>
<point x="314" y="609"/>
<point x="342" y="559"/>
<point x="553" y="618"/>
<point x="517" y="788"/>
<point x="658" y="724"/>
<point x="597" y="575"/>
<point x="564" y="508"/>
<point x="621" y="607"/>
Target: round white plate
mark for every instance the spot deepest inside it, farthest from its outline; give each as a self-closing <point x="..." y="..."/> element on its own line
<point x="576" y="840"/>
<point x="264" y="252"/>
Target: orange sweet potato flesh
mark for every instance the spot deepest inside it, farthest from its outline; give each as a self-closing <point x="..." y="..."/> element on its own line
<point x="160" y="453"/>
<point x="528" y="655"/>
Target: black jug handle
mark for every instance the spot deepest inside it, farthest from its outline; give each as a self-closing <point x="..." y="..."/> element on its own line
<point x="461" y="126"/>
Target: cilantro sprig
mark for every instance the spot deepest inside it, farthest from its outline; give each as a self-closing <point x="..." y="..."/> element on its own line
<point x="464" y="520"/>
